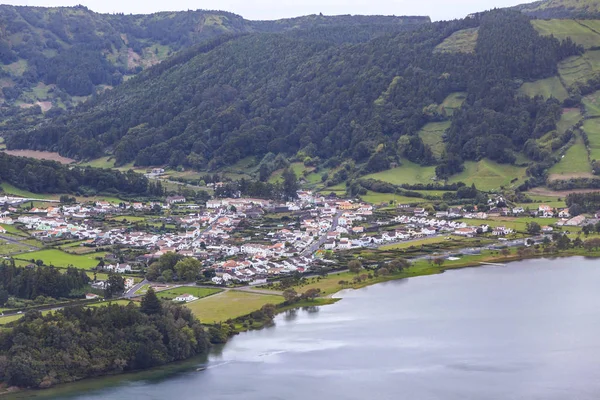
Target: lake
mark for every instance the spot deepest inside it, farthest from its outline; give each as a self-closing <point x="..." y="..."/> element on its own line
<point x="530" y="330"/>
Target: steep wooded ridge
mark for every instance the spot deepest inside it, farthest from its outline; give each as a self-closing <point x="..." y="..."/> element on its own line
<point x="55" y="56"/>
<point x="257" y="94"/>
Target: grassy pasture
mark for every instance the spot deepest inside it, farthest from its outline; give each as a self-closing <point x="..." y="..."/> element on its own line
<point x="408" y="172"/>
<point x="194" y="291"/>
<point x="564" y="28"/>
<point x="229" y="305"/>
<point x="592" y="105"/>
<point x="462" y="41"/>
<point x="453" y="102"/>
<point x="547" y="88"/>
<point x="578" y="69"/>
<point x="61" y="259"/>
<point x="489" y="175"/>
<point x="432" y="135"/>
<point x="592" y="128"/>
<point x="575" y="160"/>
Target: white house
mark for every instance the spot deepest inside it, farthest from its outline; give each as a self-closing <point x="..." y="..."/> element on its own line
<point x="564" y="213"/>
<point x="185" y="298"/>
<point x="501" y="231"/>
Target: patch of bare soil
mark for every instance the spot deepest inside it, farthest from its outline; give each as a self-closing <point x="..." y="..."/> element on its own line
<point x="40" y="155"/>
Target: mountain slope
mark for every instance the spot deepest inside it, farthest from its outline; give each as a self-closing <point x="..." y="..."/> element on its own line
<point x="59" y="56"/>
<point x="266" y="94"/>
<point x="562" y="9"/>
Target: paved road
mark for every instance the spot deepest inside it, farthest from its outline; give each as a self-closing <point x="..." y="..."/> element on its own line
<point x="131" y="292"/>
<point x="315" y="246"/>
<point x="15" y="241"/>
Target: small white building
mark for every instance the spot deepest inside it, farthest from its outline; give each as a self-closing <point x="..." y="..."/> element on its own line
<point x="185" y="298"/>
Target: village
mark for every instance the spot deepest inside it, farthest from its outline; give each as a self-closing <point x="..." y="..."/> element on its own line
<point x="249" y="241"/>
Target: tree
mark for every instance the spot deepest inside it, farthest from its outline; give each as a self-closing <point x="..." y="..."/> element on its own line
<point x="290" y="184"/>
<point x="312" y="294"/>
<point x="439" y="261"/>
<point x="115" y="285"/>
<point x="151" y="304"/>
<point x="290" y="295"/>
<point x="354" y="266"/>
<point x="505" y="252"/>
<point x="533" y="228"/>
<point x="399" y="264"/>
<point x="3" y="296"/>
<point x="188" y="269"/>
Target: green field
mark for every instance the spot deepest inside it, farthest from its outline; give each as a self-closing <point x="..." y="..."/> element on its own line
<point x="11" y="190"/>
<point x="517" y="224"/>
<point x="229" y="305"/>
<point x="569" y="118"/>
<point x="489" y="175"/>
<point x="547" y="88"/>
<point x="463" y="41"/>
<point x="297" y="167"/>
<point x="194" y="291"/>
<point x="592" y="128"/>
<point x="453" y="102"/>
<point x="409" y="173"/>
<point x="432" y="135"/>
<point x="7" y="248"/>
<point x="378" y="198"/>
<point x="575" y="160"/>
<point x="103" y="162"/>
<point x="564" y="28"/>
<point x="592" y="105"/>
<point x="61" y="259"/>
<point x="578" y="69"/>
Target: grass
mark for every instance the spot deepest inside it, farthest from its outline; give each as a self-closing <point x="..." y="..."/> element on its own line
<point x="488" y="175"/>
<point x="298" y="169"/>
<point x="517" y="224"/>
<point x="569" y="118"/>
<point x="547" y="88"/>
<point x="453" y="102"/>
<point x="575" y="160"/>
<point x="13" y="230"/>
<point x="103" y="162"/>
<point x="432" y="135"/>
<point x="194" y="291"/>
<point x="578" y="69"/>
<point x="378" y="198"/>
<point x="592" y="128"/>
<point x="592" y="104"/>
<point x="564" y="28"/>
<point x="415" y="243"/>
<point x="11" y="248"/>
<point x="12" y="190"/>
<point x="61" y="259"/>
<point x="408" y="172"/>
<point x="462" y="41"/>
<point x="229" y="305"/>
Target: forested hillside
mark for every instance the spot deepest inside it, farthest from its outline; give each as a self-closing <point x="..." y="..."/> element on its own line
<point x="264" y="94"/>
<point x="56" y="57"/>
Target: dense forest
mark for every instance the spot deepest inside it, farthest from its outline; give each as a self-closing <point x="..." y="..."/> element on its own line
<point x="29" y="283"/>
<point x="77" y="342"/>
<point x="77" y="51"/>
<point x="42" y="176"/>
<point x="268" y="94"/>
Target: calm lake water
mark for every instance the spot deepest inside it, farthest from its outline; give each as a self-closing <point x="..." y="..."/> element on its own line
<point x="530" y="330"/>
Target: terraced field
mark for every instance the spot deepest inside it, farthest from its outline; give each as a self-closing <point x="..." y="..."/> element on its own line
<point x="564" y="28"/>
<point x="569" y="118"/>
<point x="549" y="87"/>
<point x="432" y="135"/>
<point x="463" y="41"/>
<point x="579" y="69"/>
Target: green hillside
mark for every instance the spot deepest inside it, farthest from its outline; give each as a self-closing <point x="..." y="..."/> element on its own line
<point x="563" y="29"/>
<point x="58" y="57"/>
<point x="547" y="88"/>
<point x="561" y="8"/>
<point x="432" y="136"/>
<point x="462" y="41"/>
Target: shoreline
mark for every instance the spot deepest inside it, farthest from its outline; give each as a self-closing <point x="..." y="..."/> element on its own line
<point x="189" y="364"/>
